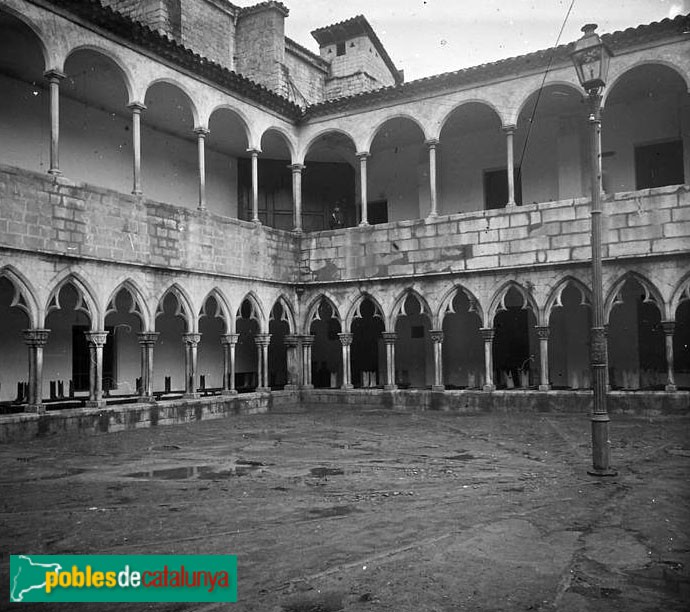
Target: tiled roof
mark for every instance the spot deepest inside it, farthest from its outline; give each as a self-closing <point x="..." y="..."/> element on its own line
<point x="356" y="26"/>
<point x="143" y="36"/>
<point x="507" y="67"/>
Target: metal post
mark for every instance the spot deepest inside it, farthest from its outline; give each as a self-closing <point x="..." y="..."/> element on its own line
<point x="601" y="445"/>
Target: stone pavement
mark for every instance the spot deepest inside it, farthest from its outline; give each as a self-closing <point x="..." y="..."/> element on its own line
<point x="373" y="510"/>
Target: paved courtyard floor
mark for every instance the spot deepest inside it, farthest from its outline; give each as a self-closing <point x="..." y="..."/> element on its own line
<point x="360" y="510"/>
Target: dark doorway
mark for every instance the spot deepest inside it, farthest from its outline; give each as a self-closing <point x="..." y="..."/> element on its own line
<point x="81" y="359"/>
<point x="659" y="164"/>
<point x="496" y="188"/>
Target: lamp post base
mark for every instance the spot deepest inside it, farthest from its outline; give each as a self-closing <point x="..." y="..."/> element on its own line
<point x="602" y="472"/>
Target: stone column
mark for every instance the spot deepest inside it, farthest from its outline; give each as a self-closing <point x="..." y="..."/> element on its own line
<point x="437" y="339"/>
<point x="346" y="341"/>
<point x="96" y="341"/>
<point x="54" y="77"/>
<point x="229" y="341"/>
<point x="297" y="194"/>
<point x="307" y="342"/>
<point x="543" y="333"/>
<point x="255" y="184"/>
<point x="262" y="342"/>
<point x="292" y="358"/>
<point x="509" y="131"/>
<point x="669" y="327"/>
<point x="191" y="342"/>
<point x="201" y="134"/>
<point x="147" y="341"/>
<point x="363" y="186"/>
<point x="389" y="339"/>
<point x="431" y="145"/>
<point x="136" y="108"/>
<point x="35" y="339"/>
<point x="488" y="336"/>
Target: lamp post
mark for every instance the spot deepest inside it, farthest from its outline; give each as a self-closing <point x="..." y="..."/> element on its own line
<point x="591" y="59"/>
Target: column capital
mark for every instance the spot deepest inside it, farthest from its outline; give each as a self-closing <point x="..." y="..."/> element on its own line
<point x="389" y="337"/>
<point x="263" y="339"/>
<point x="509" y="128"/>
<point x="436" y="335"/>
<point x="229" y="339"/>
<point x="431" y="143"/>
<point x="363" y="155"/>
<point x="201" y="131"/>
<point x="254" y="151"/>
<point x="191" y="339"/>
<point x="96" y="338"/>
<point x="54" y="76"/>
<point x="488" y="333"/>
<point x="36" y="337"/>
<point x="307" y="340"/>
<point x="296" y="168"/>
<point x="148" y="337"/>
<point x="346" y="338"/>
<point x="542" y="331"/>
<point x="669" y="327"/>
<point x="137" y="107"/>
<point x="291" y="340"/>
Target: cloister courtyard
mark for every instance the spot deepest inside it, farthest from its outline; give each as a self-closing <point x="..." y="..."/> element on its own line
<point x="331" y="508"/>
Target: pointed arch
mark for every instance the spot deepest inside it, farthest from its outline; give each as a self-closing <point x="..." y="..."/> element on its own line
<point x="554" y="299"/>
<point x="24" y="296"/>
<point x="313" y="307"/>
<point x="184" y="306"/>
<point x="446" y="305"/>
<point x="86" y="300"/>
<point x="651" y="293"/>
<point x="498" y="304"/>
<point x="256" y="311"/>
<point x="288" y="312"/>
<point x="398" y="308"/>
<point x="680" y="295"/>
<point x="353" y="312"/>
<point x="222" y="310"/>
<point x="139" y="306"/>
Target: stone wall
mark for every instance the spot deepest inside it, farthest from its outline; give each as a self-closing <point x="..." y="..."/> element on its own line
<point x="39" y="214"/>
<point x="209" y="31"/>
<point x="641" y="223"/>
<point x="304" y="74"/>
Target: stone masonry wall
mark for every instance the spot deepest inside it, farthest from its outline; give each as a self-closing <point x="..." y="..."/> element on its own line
<point x="209" y="31"/>
<point x="40" y="215"/>
<point x="260" y="47"/>
<point x="640" y="223"/>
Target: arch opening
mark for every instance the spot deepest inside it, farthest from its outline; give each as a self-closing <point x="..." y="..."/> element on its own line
<point x="14" y="363"/>
<point x="278" y="327"/>
<point x="463" y="346"/>
<point x="169" y="352"/>
<point x="414" y="357"/>
<point x="367" y="354"/>
<point x="246" y="356"/>
<point x="210" y="351"/>
<point x="327" y="357"/>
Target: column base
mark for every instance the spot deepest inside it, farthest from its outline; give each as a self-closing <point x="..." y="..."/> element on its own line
<point x="291" y="387"/>
<point x="191" y="396"/>
<point x="347" y="386"/>
<point x="307" y="387"/>
<point x="390" y="387"/>
<point x="101" y="403"/>
<point x="432" y="215"/>
<point x="227" y="392"/>
<point x="510" y="204"/>
<point x="671" y="388"/>
<point x="438" y="388"/>
<point x="263" y="389"/>
<point x="147" y="399"/>
<point x="137" y="193"/>
<point x="36" y="408"/>
<point x="489" y="388"/>
<point x="544" y="387"/>
<point x="298" y="230"/>
<point x="599" y="472"/>
<point x="364" y="224"/>
<point x="55" y="172"/>
<point x="257" y="221"/>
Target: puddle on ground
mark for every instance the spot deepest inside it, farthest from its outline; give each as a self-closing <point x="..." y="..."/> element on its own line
<point x="322" y="472"/>
<point x="201" y="472"/>
<point x="166" y="447"/>
<point x="461" y="457"/>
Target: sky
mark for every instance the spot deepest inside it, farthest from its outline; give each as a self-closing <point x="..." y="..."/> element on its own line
<point x="426" y="37"/>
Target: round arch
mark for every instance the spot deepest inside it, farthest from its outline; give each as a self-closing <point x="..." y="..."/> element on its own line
<point x="459" y="106"/>
<point x="611" y="86"/>
<point x="304" y="151"/>
<point x="39" y="35"/>
<point x="379" y="127"/>
<point x="285" y="137"/>
<point x="562" y="84"/>
<point x="115" y="59"/>
<point x="238" y="113"/>
<point x="183" y="90"/>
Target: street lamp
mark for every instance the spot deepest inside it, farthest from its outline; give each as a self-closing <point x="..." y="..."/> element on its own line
<point x="591" y="59"/>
